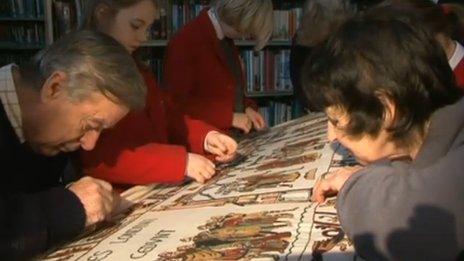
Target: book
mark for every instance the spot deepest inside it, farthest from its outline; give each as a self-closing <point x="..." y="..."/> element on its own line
<point x="23" y="34"/>
<point x="22" y="8"/>
<point x="65" y="19"/>
<point x="276" y="112"/>
<point x="267" y="70"/>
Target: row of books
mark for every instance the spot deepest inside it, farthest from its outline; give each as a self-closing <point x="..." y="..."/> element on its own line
<point x="80" y="6"/>
<point x="65" y="17"/>
<point x="286" y="22"/>
<point x="7" y="58"/>
<point x="267" y="70"/>
<point x="276" y="112"/>
<point x="22" y="8"/>
<point x="173" y="14"/>
<point x="26" y="34"/>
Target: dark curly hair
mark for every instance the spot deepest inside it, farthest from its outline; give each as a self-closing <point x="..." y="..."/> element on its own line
<point x="383" y="52"/>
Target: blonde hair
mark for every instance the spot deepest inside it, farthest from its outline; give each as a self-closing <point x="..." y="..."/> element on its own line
<point x="253" y="17"/>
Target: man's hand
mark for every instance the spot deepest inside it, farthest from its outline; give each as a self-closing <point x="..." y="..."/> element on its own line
<point x="199" y="168"/>
<point x="97" y="197"/>
<point x="221" y="145"/>
<point x="329" y="184"/>
<point x="242" y="121"/>
<point x="256" y="118"/>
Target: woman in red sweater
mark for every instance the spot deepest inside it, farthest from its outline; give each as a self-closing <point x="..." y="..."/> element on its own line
<point x="157" y="144"/>
<point x="203" y="70"/>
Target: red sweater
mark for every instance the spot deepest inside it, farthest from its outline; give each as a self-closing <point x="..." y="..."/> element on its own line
<point x="197" y="74"/>
<point x="459" y="73"/>
<point x="140" y="150"/>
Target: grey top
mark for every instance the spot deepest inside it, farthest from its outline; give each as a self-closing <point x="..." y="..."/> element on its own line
<point x="411" y="210"/>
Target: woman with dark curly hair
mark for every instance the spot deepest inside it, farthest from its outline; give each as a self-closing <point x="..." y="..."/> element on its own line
<point x="389" y="93"/>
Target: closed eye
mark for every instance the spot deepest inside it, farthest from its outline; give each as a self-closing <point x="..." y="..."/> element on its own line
<point x="135" y="27"/>
<point x="94" y="125"/>
<point x="333" y="121"/>
<point x="136" y="24"/>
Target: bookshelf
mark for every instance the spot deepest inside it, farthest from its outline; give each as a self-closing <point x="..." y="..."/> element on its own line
<point x="7" y="18"/>
<point x="66" y="16"/>
<point x="241" y="43"/>
<point x="23" y="29"/>
<point x="267" y="71"/>
<point x="268" y="81"/>
<point x="270" y="93"/>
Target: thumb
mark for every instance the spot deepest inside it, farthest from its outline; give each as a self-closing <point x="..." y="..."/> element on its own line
<point x="116" y="199"/>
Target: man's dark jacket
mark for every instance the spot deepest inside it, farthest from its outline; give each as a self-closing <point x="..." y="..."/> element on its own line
<point x="36" y="210"/>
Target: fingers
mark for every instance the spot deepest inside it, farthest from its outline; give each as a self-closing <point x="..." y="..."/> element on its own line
<point x="197" y="177"/>
<point x="225" y="158"/>
<point x="207" y="168"/>
<point x="97" y="198"/>
<point x="116" y="199"/>
<point x="244" y="127"/>
<point x="222" y="145"/>
<point x="328" y="185"/>
<point x="320" y="191"/>
<point x="106" y="199"/>
<point x="242" y="121"/>
<point x="200" y="168"/>
<point x="209" y="164"/>
<point x="315" y="190"/>
<point x="230" y="143"/>
<point x="209" y="171"/>
<point x="216" y="146"/>
<point x="256" y="118"/>
<point x="107" y="186"/>
<point x="261" y="121"/>
<point x="247" y="126"/>
<point x="108" y="204"/>
<point x="202" y="176"/>
<point x="256" y="123"/>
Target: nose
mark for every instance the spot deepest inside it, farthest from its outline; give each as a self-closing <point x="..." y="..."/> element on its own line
<point x="331" y="136"/>
<point x="143" y="36"/>
<point x="89" y="140"/>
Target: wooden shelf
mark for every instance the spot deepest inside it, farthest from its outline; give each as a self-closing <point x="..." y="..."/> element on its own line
<point x="270" y="43"/>
<point x="163" y="43"/>
<point x="155" y="43"/>
<point x="269" y="94"/>
<point x="21" y="19"/>
<point x="20" y="46"/>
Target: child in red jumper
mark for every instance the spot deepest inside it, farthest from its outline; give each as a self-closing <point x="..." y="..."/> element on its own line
<point x="212" y="84"/>
<point x="157" y="144"/>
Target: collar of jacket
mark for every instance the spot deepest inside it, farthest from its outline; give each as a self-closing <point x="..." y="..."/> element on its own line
<point x="445" y="133"/>
<point x="209" y="33"/>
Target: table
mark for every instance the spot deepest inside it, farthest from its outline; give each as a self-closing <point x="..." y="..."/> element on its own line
<point x="255" y="209"/>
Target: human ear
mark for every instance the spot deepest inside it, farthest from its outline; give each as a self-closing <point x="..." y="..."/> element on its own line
<point x="447" y="43"/>
<point x="54" y="86"/>
<point x="102" y="16"/>
<point x="389" y="110"/>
